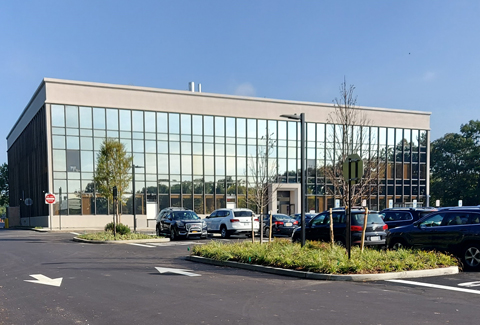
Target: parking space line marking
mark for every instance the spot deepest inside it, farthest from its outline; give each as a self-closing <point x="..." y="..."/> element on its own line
<point x="75" y="233"/>
<point x="142" y="245"/>
<point x="436" y="286"/>
<point x="470" y="284"/>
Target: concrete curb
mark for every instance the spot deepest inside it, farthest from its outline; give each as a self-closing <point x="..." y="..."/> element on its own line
<point x="331" y="277"/>
<point x="132" y="241"/>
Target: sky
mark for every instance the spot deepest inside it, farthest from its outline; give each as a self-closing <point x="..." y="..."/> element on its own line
<point x="416" y="55"/>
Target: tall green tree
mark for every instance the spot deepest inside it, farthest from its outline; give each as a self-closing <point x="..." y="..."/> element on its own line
<point x="113" y="169"/>
<point x="455" y="171"/>
<point x="4" y="189"/>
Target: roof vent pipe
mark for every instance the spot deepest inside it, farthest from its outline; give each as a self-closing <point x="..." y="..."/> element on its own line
<point x="199" y="88"/>
<point x="191" y="86"/>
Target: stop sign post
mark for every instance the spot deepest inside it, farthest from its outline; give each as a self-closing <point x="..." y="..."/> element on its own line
<point x="49" y="198"/>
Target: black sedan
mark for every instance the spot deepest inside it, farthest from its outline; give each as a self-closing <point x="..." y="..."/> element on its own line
<point x="182" y="224"/>
<point x="281" y="225"/>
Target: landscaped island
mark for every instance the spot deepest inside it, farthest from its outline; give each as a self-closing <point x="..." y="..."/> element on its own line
<point x="320" y="257"/>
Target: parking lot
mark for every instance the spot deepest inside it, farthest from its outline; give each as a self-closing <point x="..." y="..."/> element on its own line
<point x="152" y="283"/>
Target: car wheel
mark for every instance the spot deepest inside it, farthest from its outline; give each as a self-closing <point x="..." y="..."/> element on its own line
<point x="173" y="236"/>
<point x="296" y="239"/>
<point x="224" y="232"/>
<point x="158" y="231"/>
<point x="266" y="232"/>
<point x="471" y="256"/>
<point x="398" y="244"/>
<point x="340" y="242"/>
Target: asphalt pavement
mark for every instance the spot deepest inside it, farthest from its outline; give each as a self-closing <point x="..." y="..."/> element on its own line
<point x="46" y="278"/>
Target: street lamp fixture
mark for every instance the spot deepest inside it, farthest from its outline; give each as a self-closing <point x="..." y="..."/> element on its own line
<point x="133" y="190"/>
<point x="301" y="119"/>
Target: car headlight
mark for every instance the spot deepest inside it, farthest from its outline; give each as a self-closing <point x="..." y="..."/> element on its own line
<point x="204" y="225"/>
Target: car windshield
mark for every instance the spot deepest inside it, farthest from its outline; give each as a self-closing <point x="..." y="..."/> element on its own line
<point x="357" y="219"/>
<point x="242" y="213"/>
<point x="184" y="215"/>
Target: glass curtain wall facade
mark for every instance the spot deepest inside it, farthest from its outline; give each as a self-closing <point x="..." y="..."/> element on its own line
<point x="201" y="162"/>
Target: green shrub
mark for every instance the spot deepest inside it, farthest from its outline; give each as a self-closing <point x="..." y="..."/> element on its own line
<point x="121" y="228"/>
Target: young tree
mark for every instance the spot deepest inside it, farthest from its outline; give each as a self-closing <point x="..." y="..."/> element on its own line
<point x="349" y="133"/>
<point x="4" y="190"/>
<point x="113" y="169"/>
<point x="262" y="172"/>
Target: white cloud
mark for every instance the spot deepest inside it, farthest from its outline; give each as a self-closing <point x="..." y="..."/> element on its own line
<point x="245" y="89"/>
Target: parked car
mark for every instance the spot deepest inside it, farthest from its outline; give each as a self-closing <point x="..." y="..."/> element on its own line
<point x="452" y="230"/>
<point x="181" y="223"/>
<point x="308" y="217"/>
<point x="319" y="228"/>
<point x="282" y="225"/>
<point x="229" y="222"/>
<point x="396" y="217"/>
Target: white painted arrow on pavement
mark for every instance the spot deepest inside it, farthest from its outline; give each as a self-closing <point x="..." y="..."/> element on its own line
<point x="176" y="271"/>
<point x="42" y="279"/>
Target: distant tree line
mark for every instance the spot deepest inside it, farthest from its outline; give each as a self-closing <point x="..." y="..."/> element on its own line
<point x="455" y="167"/>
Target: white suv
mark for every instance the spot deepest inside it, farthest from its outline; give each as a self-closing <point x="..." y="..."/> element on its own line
<point x="232" y="221"/>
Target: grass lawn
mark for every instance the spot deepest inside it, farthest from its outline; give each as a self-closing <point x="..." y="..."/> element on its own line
<point x="322" y="258"/>
<point x="108" y="235"/>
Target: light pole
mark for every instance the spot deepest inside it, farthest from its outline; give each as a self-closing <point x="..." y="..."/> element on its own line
<point x="133" y="190"/>
<point x="301" y="118"/>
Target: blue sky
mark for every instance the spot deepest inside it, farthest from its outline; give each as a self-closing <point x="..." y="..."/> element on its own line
<point x="414" y="55"/>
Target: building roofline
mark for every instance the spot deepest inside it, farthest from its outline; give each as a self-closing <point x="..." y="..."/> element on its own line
<point x="214" y="95"/>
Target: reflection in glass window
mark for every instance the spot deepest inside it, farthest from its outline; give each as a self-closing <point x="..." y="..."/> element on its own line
<point x="209" y="165"/>
<point x="272" y="129"/>
<point x="174" y="123"/>
<point x="99" y="118"/>
<point x="423" y="138"/>
<point x="292" y="130"/>
<point x="230" y="127"/>
<point x="241" y="166"/>
<point x="197" y="122"/>
<point x="150" y="146"/>
<point x="241" y="127"/>
<point x="137" y="121"/>
<point x="73" y="142"/>
<point x="262" y="129"/>
<point x="208" y="125"/>
<point x="162" y="123"/>
<point x="125" y="120"/>
<point x="58" y="115"/>
<point x="87" y="161"/>
<point x="150" y="122"/>
<point x="72" y="116"/>
<point x="86" y="117"/>
<point x="150" y="163"/>
<point x="311" y="132"/>
<point x="175" y="164"/>
<point x="231" y="166"/>
<point x="58" y="142"/>
<point x="197" y="165"/>
<point x="383" y="136"/>
<point x="59" y="160"/>
<point x="162" y="164"/>
<point x="219" y="126"/>
<point x="112" y="119"/>
<point x="186" y="121"/>
<point x="220" y="166"/>
<point x="252" y="128"/>
<point x="186" y="164"/>
<point x="138" y="146"/>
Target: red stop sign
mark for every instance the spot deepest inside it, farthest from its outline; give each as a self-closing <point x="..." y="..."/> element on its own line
<point x="49" y="198"/>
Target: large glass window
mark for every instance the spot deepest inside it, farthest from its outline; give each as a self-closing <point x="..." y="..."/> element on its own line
<point x="174" y="123"/>
<point x="197" y="122"/>
<point x="186" y="121"/>
<point x="137" y="121"/>
<point x="86" y="117"/>
<point x="150" y="122"/>
<point x="162" y="123"/>
<point x="112" y="119"/>
<point x="72" y="116"/>
<point x="58" y="115"/>
<point x="99" y="118"/>
<point x="125" y="120"/>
